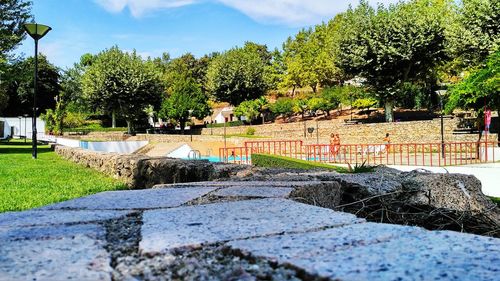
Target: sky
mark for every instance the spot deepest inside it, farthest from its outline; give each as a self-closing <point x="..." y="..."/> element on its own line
<point x="153" y="27"/>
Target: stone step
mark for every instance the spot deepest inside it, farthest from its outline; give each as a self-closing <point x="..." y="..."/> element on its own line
<point x="164" y="230"/>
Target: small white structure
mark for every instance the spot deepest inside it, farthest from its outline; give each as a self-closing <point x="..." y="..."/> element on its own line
<point x="224" y="115"/>
<point x="19" y="127"/>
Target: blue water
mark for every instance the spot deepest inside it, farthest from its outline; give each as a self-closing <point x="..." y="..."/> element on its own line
<point x="217" y="159"/>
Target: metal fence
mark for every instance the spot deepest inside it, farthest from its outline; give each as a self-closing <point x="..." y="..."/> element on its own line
<point x="406" y="154"/>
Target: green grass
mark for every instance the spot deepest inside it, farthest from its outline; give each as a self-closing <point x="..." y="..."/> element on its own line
<point x="496" y="200"/>
<point x="273" y="161"/>
<point x="27" y="183"/>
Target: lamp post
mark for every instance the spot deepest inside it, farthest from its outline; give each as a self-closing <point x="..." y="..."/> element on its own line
<point x="441" y="93"/>
<point x="191" y="125"/>
<point x="36" y="31"/>
<point x="20" y="127"/>
<point x="25" y="136"/>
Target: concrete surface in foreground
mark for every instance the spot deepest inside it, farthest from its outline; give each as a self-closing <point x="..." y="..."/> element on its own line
<point x="68" y="240"/>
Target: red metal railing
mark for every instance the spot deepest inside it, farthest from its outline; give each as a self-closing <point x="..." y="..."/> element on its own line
<point x="407" y="154"/>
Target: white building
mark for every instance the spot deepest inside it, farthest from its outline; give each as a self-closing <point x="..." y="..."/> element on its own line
<point x="19" y="127"/>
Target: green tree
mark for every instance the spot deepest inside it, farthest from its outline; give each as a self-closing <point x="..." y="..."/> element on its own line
<point x="186" y="95"/>
<point x="475" y="32"/>
<point x="238" y="75"/>
<point x="13" y="14"/>
<point x="393" y="45"/>
<point x="122" y="83"/>
<point x="252" y="109"/>
<point x="283" y="107"/>
<point x="17" y="85"/>
<point x="481" y="88"/>
<point x="301" y="105"/>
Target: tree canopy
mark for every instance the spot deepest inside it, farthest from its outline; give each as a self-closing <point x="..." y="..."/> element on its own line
<point x="122" y="83"/>
<point x="13" y="14"/>
<point x="238" y="74"/>
<point x="389" y="46"/>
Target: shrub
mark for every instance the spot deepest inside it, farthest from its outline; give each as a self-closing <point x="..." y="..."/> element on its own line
<point x="250" y="131"/>
<point x="228" y="124"/>
<point x="364" y="103"/>
<point x="274" y="161"/>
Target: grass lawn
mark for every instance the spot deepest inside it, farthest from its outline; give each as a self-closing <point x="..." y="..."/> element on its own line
<point x="26" y="183"/>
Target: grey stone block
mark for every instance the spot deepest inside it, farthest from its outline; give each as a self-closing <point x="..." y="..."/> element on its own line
<point x="383" y="252"/>
<point x="53" y="217"/>
<point x="134" y="199"/>
<point x="254" y="191"/>
<point x="76" y="258"/>
<point x="194" y="225"/>
<point x="51" y="232"/>
<point x="221" y="184"/>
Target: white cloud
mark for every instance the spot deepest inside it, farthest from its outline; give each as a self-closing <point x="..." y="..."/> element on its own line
<point x="139" y="8"/>
<point x="288" y="12"/>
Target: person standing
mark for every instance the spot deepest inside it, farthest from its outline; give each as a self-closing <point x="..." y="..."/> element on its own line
<point x="387" y="142"/>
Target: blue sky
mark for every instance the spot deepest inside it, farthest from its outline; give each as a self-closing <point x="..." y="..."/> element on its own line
<point x="175" y="26"/>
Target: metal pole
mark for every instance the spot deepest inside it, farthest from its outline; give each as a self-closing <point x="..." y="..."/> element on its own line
<point x="225" y="145"/>
<point x="442" y="127"/>
<point x="25" y="136"/>
<point x="317" y="132"/>
<point x="35" y="86"/>
<point x="305" y="130"/>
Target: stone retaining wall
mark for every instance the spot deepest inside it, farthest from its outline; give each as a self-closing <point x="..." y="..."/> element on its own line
<point x="401" y="132"/>
<point x="139" y="171"/>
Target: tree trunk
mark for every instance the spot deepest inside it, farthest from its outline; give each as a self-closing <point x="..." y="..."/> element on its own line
<point x="182" y="124"/>
<point x="129" y="127"/>
<point x="113" y="119"/>
<point x="314" y="88"/>
<point x="293" y="91"/>
<point x="389" y="110"/>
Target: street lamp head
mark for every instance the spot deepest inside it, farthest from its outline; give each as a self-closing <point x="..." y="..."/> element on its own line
<point x="36" y="31"/>
<point x="441" y="92"/>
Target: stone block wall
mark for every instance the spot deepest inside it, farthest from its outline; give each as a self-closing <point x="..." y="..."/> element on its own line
<point x="140" y="171"/>
<point x="428" y="131"/>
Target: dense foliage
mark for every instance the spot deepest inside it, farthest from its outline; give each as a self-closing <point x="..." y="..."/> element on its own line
<point x="122" y="83"/>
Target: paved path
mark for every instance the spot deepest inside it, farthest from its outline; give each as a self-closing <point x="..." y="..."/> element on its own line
<point x="93" y="238"/>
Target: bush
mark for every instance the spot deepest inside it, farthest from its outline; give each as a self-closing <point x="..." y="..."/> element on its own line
<point x="273" y="161"/>
<point x="364" y="103"/>
<point x="250" y="131"/>
<point x="228" y="124"/>
<point x="74" y="119"/>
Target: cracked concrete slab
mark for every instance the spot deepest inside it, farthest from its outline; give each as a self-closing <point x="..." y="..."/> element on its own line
<point x="134" y="199"/>
<point x="54" y="217"/>
<point x="383" y="252"/>
<point x="77" y="258"/>
<point x="254" y="191"/>
<point x="194" y="225"/>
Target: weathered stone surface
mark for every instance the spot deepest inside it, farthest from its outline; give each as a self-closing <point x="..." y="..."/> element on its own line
<point x="134" y="199"/>
<point x="75" y="258"/>
<point x="54" y="217"/>
<point x="254" y="191"/>
<point x="194" y="225"/>
<point x="140" y="171"/>
<point x="434" y="201"/>
<point x="383" y="252"/>
<point x="222" y="184"/>
<point x="51" y="232"/>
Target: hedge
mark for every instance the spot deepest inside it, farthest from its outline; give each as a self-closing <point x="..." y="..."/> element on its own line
<point x="274" y="161"/>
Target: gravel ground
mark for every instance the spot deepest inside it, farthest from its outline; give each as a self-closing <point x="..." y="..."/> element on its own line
<point x="211" y="262"/>
<point x="206" y="263"/>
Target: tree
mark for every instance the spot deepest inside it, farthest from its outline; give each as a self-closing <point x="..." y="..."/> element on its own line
<point x="301" y="105"/>
<point x="185" y="96"/>
<point x="13" y="14"/>
<point x="17" y="85"/>
<point x="252" y="109"/>
<point x="481" y="88"/>
<point x="122" y="83"/>
<point x="475" y="32"/>
<point x="283" y="106"/>
<point x="238" y="75"/>
<point x="393" y="45"/>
